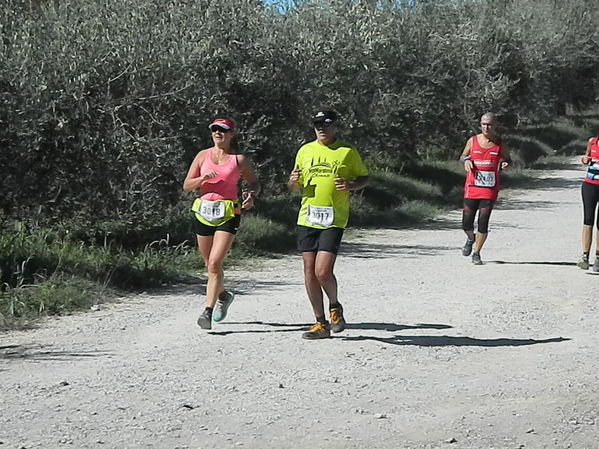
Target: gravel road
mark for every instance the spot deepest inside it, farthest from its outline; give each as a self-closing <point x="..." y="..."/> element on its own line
<point x="439" y="353"/>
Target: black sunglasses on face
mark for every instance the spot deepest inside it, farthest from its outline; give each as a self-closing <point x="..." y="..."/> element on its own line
<point x="322" y="125"/>
<point x="218" y="128"/>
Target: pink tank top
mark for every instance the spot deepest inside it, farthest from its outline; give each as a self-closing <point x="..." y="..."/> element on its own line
<point x="224" y="185"/>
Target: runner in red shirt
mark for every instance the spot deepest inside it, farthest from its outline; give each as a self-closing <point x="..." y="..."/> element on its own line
<point x="590" y="198"/>
<point x="484" y="156"/>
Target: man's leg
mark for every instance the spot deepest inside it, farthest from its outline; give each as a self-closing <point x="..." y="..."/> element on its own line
<point x="481" y="237"/>
<point x="468" y="212"/>
<point x="329" y="244"/>
<point x="323" y="269"/>
<point x="313" y="288"/>
<point x="484" y="215"/>
<point x="321" y="328"/>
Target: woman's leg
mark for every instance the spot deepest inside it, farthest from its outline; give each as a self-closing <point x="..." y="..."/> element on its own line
<point x="589" y="205"/>
<point x="214" y="249"/>
<point x="587" y="238"/>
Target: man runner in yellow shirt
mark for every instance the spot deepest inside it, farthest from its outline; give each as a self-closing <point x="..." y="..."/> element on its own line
<point x="325" y="171"/>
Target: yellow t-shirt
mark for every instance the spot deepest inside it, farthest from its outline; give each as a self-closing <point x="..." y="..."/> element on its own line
<point x="323" y="206"/>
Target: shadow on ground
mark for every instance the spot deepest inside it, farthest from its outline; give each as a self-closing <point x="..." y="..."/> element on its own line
<point x="505" y="262"/>
<point x="513" y="204"/>
<point x="533" y="183"/>
<point x="402" y="340"/>
<point x="382" y="251"/>
<point x="434" y="223"/>
<point x="41" y="352"/>
<point x="297" y="327"/>
<point x="444" y="340"/>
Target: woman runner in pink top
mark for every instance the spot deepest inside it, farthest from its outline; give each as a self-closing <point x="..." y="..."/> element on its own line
<point x="215" y="174"/>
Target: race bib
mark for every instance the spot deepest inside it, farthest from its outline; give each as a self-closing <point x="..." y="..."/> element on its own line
<point x="484" y="179"/>
<point x="213" y="213"/>
<point x="320" y="216"/>
<point x="593" y="172"/>
<point x="212" y="210"/>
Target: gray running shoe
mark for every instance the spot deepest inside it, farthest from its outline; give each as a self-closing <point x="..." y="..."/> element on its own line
<point x="596" y="266"/>
<point x="467" y="249"/>
<point x="476" y="259"/>
<point x="205" y="320"/>
<point x="222" y="305"/>
<point x="337" y="320"/>
<point x="583" y="263"/>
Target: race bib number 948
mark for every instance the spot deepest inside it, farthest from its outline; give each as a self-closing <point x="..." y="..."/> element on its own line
<point x="320" y="216"/>
<point x="484" y="179"/>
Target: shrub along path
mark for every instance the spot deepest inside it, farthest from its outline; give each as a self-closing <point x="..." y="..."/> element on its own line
<point x="439" y="352"/>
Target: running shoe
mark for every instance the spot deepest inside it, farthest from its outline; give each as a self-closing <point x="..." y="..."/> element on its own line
<point x="467" y="249"/>
<point x="337" y="320"/>
<point x="583" y="263"/>
<point x="596" y="266"/>
<point x="476" y="259"/>
<point x="205" y="320"/>
<point x="222" y="305"/>
<point x="317" y="331"/>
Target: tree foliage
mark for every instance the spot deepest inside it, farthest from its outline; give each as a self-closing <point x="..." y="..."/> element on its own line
<point x="105" y="103"/>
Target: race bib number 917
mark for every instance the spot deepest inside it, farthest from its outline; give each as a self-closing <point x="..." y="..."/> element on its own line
<point x="320" y="216"/>
<point x="484" y="179"/>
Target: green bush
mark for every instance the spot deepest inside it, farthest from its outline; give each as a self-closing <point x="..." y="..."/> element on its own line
<point x="259" y="235"/>
<point x="105" y="104"/>
<point x="20" y="305"/>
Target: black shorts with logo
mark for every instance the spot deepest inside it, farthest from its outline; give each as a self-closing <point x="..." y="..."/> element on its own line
<point x="312" y="240"/>
<point x="229" y="226"/>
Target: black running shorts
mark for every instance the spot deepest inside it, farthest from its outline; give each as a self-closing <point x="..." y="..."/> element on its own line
<point x="312" y="240"/>
<point x="229" y="226"/>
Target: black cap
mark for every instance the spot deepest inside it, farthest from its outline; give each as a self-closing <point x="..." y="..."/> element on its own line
<point x="326" y="116"/>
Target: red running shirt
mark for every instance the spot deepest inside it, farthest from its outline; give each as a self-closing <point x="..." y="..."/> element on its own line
<point x="592" y="176"/>
<point x="482" y="182"/>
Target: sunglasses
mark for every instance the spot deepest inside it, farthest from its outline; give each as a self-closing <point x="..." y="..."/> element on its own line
<point x="321" y="125"/>
<point x="219" y="129"/>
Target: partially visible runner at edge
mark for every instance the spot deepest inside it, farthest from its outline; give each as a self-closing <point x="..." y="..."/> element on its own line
<point x="484" y="156"/>
<point x="325" y="171"/>
<point x="590" y="197"/>
<point x="215" y="174"/>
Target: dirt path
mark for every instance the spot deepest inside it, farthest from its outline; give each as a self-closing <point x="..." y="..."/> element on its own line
<point x="439" y="354"/>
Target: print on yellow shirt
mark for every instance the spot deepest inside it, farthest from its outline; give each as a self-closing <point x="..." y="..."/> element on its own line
<point x="322" y="205"/>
